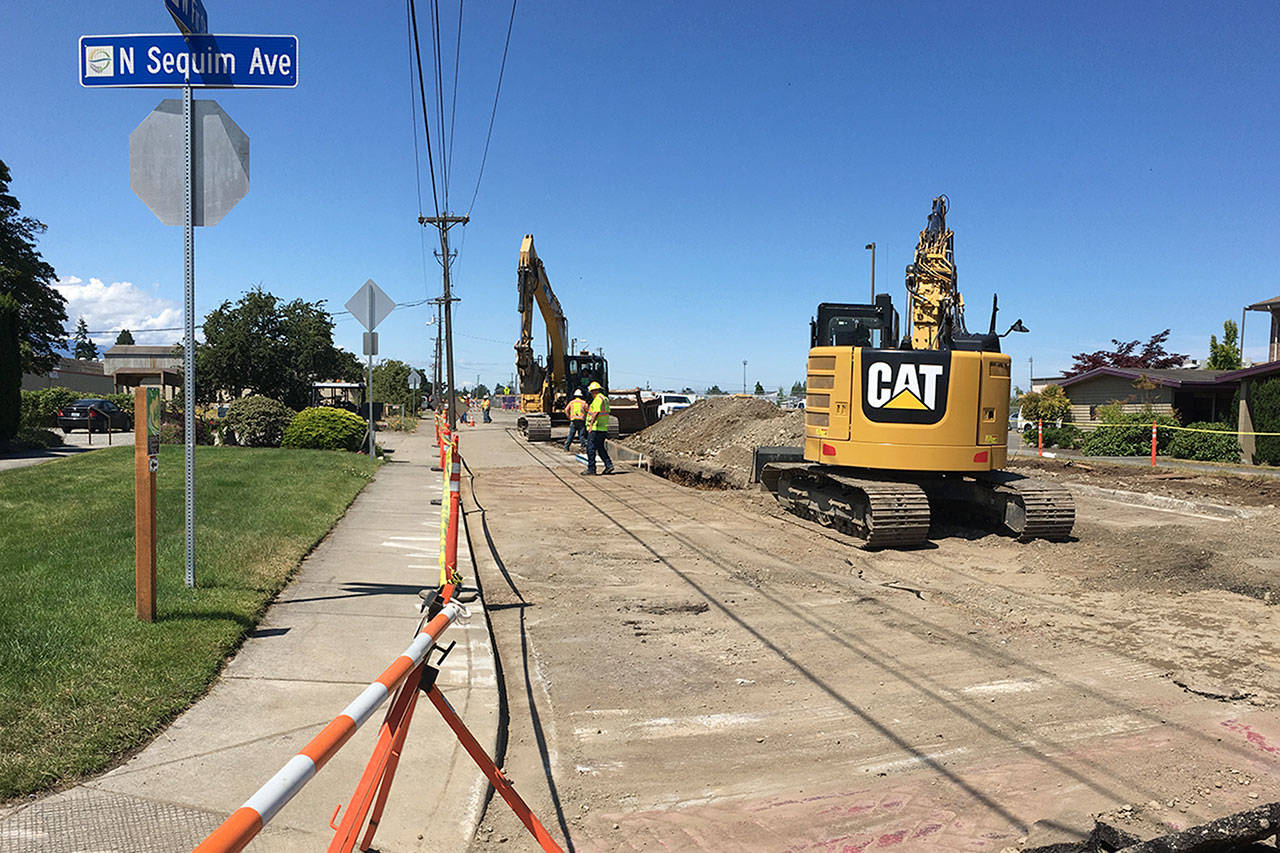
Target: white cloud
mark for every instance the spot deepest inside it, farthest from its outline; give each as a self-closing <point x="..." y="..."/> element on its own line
<point x="107" y="308"/>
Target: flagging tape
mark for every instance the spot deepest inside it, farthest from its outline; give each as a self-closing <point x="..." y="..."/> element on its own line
<point x="247" y="821"/>
<point x="1183" y="429"/>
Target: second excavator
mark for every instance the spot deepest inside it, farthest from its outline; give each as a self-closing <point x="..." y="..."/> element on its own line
<point x="899" y="432"/>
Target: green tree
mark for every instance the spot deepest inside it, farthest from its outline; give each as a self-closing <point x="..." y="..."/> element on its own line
<point x="84" y="349"/>
<point x="759" y="389"/>
<point x="1225" y="355"/>
<point x="125" y="338"/>
<point x="267" y="347"/>
<point x="391" y="382"/>
<point x="798" y="389"/>
<point x="10" y="369"/>
<point x="480" y="391"/>
<point x="26" y="278"/>
<point x="1051" y="404"/>
<point x="714" y="389"/>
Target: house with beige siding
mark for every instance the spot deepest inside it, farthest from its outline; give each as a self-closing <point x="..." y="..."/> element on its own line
<point x="1194" y="395"/>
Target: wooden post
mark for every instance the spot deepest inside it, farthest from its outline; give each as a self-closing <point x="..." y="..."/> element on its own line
<point x="144" y="504"/>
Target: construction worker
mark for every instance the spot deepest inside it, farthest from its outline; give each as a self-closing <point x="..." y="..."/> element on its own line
<point x="597" y="429"/>
<point x="576" y="412"/>
<point x="484" y="407"/>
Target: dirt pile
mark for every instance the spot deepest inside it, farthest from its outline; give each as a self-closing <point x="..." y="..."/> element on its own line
<point x="710" y="442"/>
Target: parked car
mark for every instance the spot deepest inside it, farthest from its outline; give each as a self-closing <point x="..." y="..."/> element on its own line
<point x="668" y="403"/>
<point x="94" y="415"/>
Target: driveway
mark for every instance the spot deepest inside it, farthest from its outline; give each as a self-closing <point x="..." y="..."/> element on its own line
<point x="76" y="442"/>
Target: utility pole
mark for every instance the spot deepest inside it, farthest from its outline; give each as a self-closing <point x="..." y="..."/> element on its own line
<point x="744" y="376"/>
<point x="443" y="224"/>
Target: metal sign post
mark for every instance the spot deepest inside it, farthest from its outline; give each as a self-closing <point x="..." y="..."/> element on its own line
<point x="415" y="382"/>
<point x="209" y="185"/>
<point x="370" y="305"/>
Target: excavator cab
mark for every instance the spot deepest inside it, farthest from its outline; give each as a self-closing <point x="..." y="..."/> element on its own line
<point x="584" y="368"/>
<point x="841" y="324"/>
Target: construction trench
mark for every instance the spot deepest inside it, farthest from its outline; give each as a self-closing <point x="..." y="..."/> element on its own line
<point x="696" y="669"/>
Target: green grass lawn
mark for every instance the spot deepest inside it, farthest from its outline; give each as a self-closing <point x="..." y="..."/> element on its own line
<point x="82" y="682"/>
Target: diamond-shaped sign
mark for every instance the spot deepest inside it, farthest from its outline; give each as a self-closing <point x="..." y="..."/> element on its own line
<point x="415" y="379"/>
<point x="370" y="305"/>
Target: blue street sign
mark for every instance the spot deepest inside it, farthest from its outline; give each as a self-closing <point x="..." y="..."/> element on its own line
<point x="206" y="61"/>
<point x="189" y="15"/>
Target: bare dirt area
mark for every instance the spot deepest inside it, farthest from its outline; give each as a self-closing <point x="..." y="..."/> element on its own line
<point x="689" y="669"/>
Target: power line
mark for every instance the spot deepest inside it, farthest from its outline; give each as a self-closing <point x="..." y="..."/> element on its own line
<point x="501" y="70"/>
<point x="417" y="50"/>
<point x="453" y="115"/>
<point x="444" y="161"/>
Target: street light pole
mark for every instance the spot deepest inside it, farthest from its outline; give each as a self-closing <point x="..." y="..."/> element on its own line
<point x="872" y="247"/>
<point x="744" y="376"/>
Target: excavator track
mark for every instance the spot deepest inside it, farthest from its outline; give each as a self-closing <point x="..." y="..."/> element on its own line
<point x="884" y="513"/>
<point x="1034" y="509"/>
<point x="536" y="427"/>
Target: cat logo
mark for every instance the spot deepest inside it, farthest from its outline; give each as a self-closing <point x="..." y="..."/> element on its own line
<point x="905" y="387"/>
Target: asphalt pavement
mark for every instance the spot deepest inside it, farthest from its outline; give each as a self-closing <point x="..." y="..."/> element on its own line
<point x="349" y="612"/>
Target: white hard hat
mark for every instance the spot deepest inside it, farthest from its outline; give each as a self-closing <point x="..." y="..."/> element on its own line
<point x="578" y="392"/>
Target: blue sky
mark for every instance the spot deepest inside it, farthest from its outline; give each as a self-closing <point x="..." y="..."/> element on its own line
<point x="698" y="176"/>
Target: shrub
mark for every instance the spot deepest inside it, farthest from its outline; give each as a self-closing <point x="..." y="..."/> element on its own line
<point x="172" y="430"/>
<point x="1051" y="404"/>
<point x="1218" y="446"/>
<point x="123" y="401"/>
<point x="36" y="438"/>
<point x="1266" y="418"/>
<point x="1067" y="436"/>
<point x="40" y="407"/>
<point x="1127" y="433"/>
<point x="325" y="428"/>
<point x="257" y="421"/>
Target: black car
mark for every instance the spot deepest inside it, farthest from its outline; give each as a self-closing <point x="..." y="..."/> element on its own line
<point x="94" y="415"/>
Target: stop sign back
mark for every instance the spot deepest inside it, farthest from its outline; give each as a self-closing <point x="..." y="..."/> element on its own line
<point x="220" y="162"/>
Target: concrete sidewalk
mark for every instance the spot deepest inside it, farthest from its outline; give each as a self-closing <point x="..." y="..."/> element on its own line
<point x="350" y="611"/>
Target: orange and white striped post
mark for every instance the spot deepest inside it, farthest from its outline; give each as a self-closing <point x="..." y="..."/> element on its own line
<point x="455" y="500"/>
<point x="1153" y="444"/>
<point x="1040" y="439"/>
<point x="246" y="822"/>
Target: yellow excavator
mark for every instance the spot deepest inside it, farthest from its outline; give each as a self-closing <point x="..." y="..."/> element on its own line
<point x="545" y="389"/>
<point x="900" y="432"/>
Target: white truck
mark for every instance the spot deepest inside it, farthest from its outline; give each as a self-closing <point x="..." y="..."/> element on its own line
<point x="668" y="403"/>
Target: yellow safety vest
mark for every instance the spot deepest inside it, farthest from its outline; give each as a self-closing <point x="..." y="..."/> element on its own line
<point x="577" y="409"/>
<point x="600" y="413"/>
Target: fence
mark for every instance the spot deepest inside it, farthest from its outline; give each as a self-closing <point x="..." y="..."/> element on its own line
<point x="410" y="674"/>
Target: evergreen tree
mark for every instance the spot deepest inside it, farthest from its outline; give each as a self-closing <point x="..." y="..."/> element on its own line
<point x="1225" y="355"/>
<point x="26" y="277"/>
<point x="759" y="388"/>
<point x="125" y="338"/>
<point x="10" y="369"/>
<point x="85" y="348"/>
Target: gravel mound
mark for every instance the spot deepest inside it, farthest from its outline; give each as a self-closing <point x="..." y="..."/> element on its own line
<point x="710" y="442"/>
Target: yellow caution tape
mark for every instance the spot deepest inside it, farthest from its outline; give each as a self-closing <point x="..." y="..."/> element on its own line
<point x="1182" y="428"/>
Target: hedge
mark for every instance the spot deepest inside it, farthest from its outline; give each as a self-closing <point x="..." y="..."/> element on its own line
<point x="1266" y="418"/>
<point x="325" y="428"/>
<point x="1216" y="446"/>
<point x="1128" y="434"/>
<point x="1067" y="436"/>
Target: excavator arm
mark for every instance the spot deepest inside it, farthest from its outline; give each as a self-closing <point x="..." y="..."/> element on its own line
<point x="537" y="382"/>
<point x="937" y="309"/>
